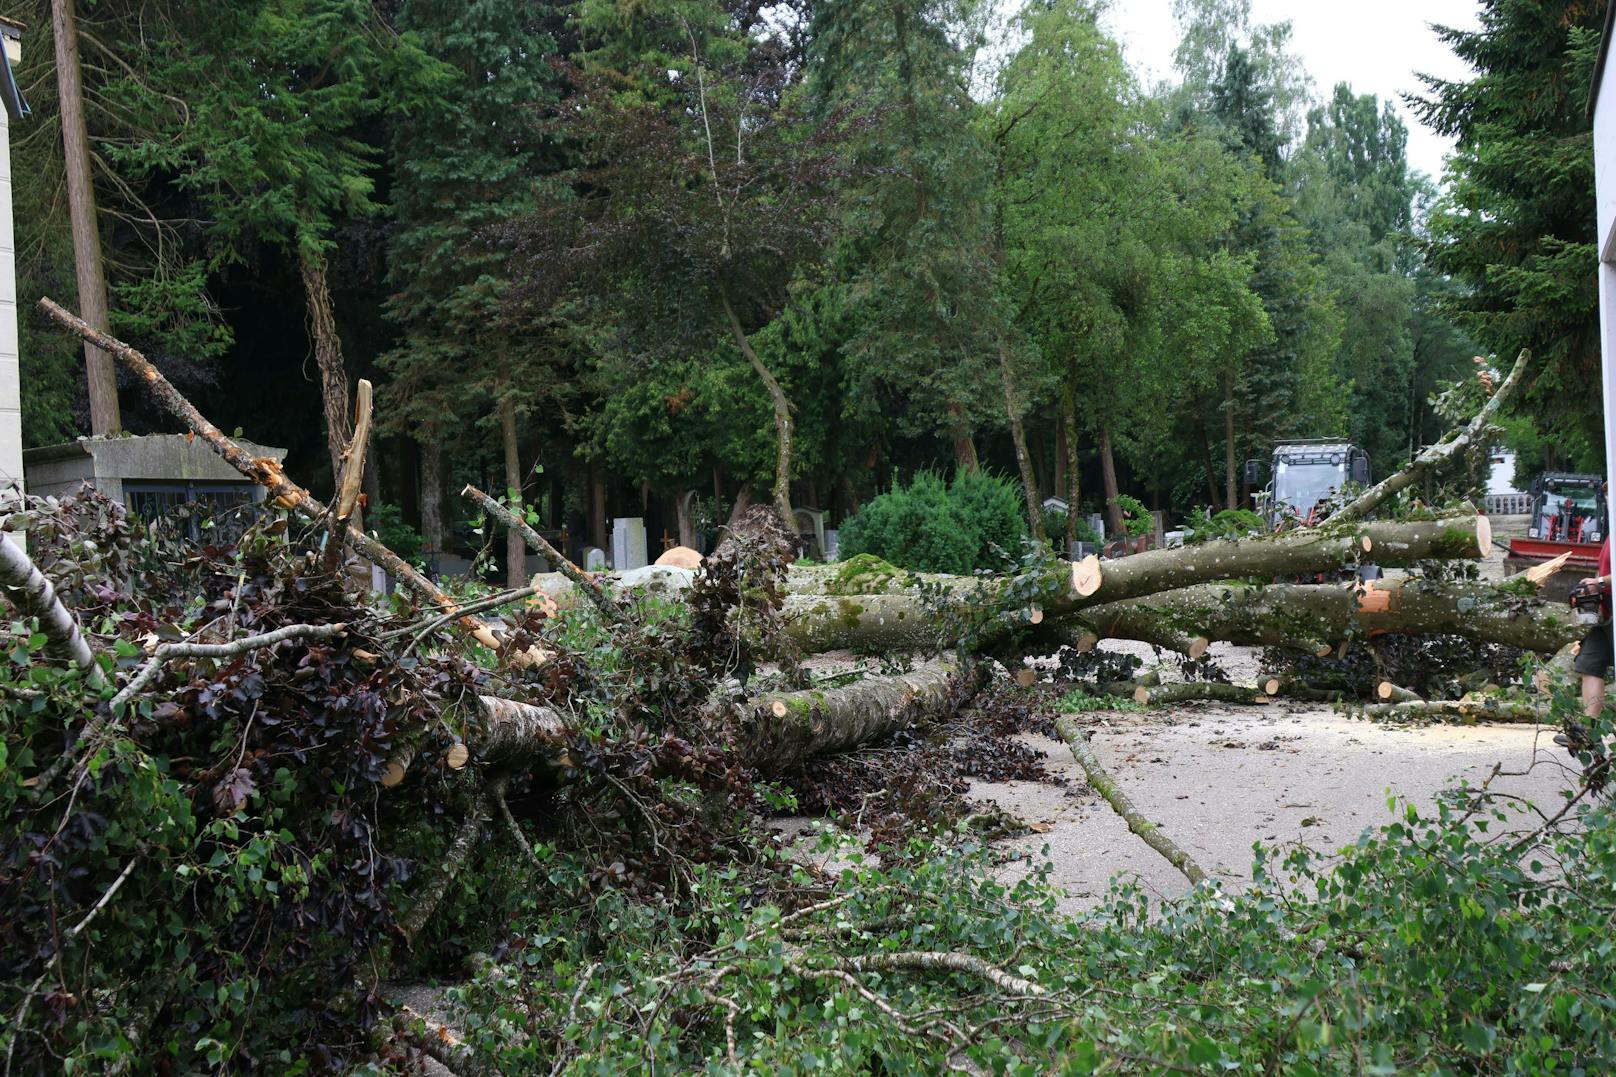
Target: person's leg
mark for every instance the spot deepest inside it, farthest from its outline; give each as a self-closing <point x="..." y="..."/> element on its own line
<point x="1593" y="695"/>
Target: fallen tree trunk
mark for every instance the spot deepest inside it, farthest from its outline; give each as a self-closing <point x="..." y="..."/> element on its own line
<point x="1317" y="617"/>
<point x="1468" y="711"/>
<point x="780" y="732"/>
<point x="772" y="732"/>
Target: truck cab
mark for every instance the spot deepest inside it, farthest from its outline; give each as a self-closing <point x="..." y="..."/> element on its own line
<point x="1307" y="480"/>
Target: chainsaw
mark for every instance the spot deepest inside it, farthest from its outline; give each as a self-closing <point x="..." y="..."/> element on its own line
<point x="1588" y="602"/>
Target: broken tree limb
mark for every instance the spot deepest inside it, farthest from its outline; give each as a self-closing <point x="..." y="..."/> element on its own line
<point x="454" y="858"/>
<point x="1437" y="455"/>
<point x="352" y="478"/>
<point x="1467" y="711"/>
<point x="263" y="470"/>
<point x="943" y="961"/>
<point x="30" y="590"/>
<point x="1122" y="804"/>
<point x="592" y="590"/>
<point x="166" y="651"/>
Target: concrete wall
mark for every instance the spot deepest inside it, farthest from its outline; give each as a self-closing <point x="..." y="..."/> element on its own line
<point x="108" y="462"/>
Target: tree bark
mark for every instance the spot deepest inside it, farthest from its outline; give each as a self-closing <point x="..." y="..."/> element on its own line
<point x="31" y="592"/>
<point x="89" y="269"/>
<point x="1231" y="479"/>
<point x="681" y="507"/>
<point x="781" y="732"/>
<point x="959" y="432"/>
<point x="327" y="356"/>
<point x="782" y="413"/>
<point x="1206" y="465"/>
<point x="1317" y="617"/>
<point x="1108" y="475"/>
<point x="1074" y="476"/>
<point x="597" y="505"/>
<point x="515" y="547"/>
<point x="1018" y="438"/>
<point x="432" y="529"/>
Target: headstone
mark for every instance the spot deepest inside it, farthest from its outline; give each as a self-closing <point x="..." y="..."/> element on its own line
<point x="1097" y="522"/>
<point x="594" y="559"/>
<point x="833" y="544"/>
<point x="811" y="526"/>
<point x="628" y="543"/>
<point x="1080" y="550"/>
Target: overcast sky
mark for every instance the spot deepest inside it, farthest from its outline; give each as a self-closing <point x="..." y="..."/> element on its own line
<point x="1376" y="45"/>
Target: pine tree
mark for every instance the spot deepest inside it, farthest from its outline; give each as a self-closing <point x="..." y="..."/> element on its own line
<point x="1517" y="223"/>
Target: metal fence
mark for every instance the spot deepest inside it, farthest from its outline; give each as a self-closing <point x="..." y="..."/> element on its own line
<point x="1509" y="504"/>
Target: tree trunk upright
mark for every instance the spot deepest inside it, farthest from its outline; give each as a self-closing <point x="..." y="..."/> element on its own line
<point x="782" y="414"/>
<point x="597" y="505"/>
<point x="1206" y="465"/>
<point x="1231" y="477"/>
<point x="1108" y="475"/>
<point x="88" y="268"/>
<point x="515" y="546"/>
<point x="959" y="432"/>
<point x="432" y="530"/>
<point x="1018" y="437"/>
<point x="327" y="356"/>
<point x="1074" y="476"/>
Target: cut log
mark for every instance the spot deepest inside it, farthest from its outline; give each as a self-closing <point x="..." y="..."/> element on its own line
<point x="1437" y="455"/>
<point x="835" y="719"/>
<point x="1387" y="692"/>
<point x="1197" y="691"/>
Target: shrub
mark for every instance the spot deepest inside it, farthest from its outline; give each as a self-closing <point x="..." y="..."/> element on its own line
<point x="932" y="526"/>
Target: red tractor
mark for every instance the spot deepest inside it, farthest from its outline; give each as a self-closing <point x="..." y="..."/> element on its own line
<point x="1569" y="516"/>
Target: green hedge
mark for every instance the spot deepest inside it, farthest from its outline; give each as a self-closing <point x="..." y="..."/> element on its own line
<point x="975" y="522"/>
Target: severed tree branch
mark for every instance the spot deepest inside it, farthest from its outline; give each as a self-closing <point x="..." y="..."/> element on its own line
<point x="591" y="588"/>
<point x="460" y="850"/>
<point x="1438" y="454"/>
<point x="1124" y="806"/>
<point x="263" y="470"/>
<point x="943" y="961"/>
<point x="166" y="651"/>
<point x="32" y="592"/>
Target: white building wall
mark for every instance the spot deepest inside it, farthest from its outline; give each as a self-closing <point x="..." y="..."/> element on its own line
<point x="10" y="374"/>
<point x="1605" y="186"/>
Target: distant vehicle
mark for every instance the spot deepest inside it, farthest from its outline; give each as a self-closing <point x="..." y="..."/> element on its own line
<point x="1569" y="516"/>
<point x="1306" y="480"/>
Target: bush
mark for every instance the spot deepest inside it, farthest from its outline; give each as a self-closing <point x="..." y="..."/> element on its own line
<point x="931" y="526"/>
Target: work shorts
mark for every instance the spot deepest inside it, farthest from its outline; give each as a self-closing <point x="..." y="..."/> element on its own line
<point x="1597" y="653"/>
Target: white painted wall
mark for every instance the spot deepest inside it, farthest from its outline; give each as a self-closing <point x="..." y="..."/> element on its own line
<point x="1605" y="186"/>
<point x="10" y="375"/>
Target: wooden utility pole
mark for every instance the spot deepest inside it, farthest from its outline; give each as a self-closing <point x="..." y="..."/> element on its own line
<point x="87" y="264"/>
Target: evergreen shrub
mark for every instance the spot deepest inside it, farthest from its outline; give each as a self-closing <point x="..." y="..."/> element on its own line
<point x="973" y="523"/>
